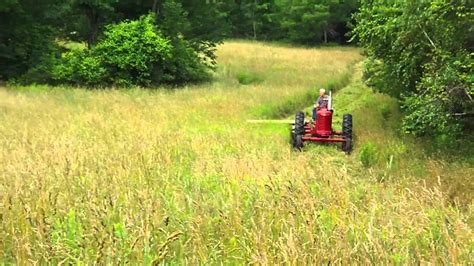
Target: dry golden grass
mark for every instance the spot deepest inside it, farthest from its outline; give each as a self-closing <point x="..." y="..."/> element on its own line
<point x="177" y="176"/>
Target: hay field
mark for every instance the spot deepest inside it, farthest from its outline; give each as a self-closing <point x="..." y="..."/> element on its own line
<point x="178" y="176"/>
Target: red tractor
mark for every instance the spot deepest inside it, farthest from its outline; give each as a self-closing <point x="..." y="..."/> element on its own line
<point x="321" y="129"/>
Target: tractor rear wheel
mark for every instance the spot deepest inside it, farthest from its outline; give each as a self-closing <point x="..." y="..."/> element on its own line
<point x="298" y="131"/>
<point x="347" y="133"/>
<point x="298" y="142"/>
<point x="347" y="125"/>
<point x="299" y="123"/>
<point x="347" y="145"/>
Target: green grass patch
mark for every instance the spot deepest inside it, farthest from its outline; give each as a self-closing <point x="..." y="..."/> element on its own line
<point x="287" y="107"/>
<point x="247" y="78"/>
<point x="368" y="154"/>
<point x="70" y="45"/>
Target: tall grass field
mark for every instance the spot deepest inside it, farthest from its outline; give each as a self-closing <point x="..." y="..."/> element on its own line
<point x="178" y="176"/>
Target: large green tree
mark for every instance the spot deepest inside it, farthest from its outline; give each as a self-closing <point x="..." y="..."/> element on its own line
<point x="26" y="34"/>
<point x="250" y="18"/>
<point x="421" y="52"/>
<point x="305" y="21"/>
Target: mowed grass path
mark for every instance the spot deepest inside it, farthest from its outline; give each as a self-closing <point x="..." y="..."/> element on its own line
<point x="178" y="176"/>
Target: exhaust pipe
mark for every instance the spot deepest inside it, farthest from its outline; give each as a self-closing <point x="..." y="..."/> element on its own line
<point x="330" y="101"/>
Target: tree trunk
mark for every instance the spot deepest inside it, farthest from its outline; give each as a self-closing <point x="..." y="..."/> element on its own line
<point x="254" y="24"/>
<point x="93" y="20"/>
<point x="155" y="9"/>
<point x="325" y="36"/>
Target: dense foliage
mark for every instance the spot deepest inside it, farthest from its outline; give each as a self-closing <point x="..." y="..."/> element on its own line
<point x="131" y="52"/>
<point x="26" y="35"/>
<point x="119" y="50"/>
<point x="421" y="52"/>
<point x="31" y="31"/>
<point x="301" y="21"/>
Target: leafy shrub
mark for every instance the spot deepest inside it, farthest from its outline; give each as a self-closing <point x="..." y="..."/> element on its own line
<point x="41" y="71"/>
<point x="132" y="53"/>
<point x="184" y="64"/>
<point x="368" y="154"/>
<point x="80" y="67"/>
<point x="127" y="55"/>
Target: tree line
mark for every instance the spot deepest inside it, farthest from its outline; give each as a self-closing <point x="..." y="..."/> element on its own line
<point x="32" y="30"/>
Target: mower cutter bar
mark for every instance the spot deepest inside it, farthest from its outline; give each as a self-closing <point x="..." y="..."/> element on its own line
<point x="270" y="121"/>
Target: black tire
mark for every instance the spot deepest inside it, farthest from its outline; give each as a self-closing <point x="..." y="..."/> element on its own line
<point x="298" y="142"/>
<point x="298" y="131"/>
<point x="347" y="133"/>
<point x="347" y="126"/>
<point x="347" y="146"/>
<point x="299" y="123"/>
